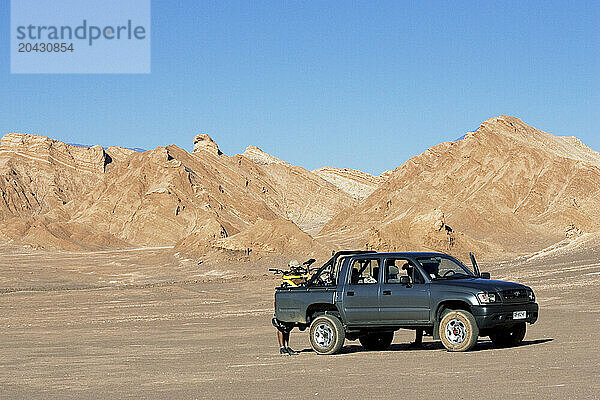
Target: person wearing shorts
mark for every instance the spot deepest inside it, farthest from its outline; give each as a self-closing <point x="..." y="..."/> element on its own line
<point x="283" y="337"/>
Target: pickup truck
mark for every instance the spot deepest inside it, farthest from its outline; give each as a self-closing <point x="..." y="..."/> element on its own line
<point x="368" y="296"/>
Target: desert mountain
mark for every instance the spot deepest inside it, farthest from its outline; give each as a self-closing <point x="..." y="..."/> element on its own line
<point x="161" y="196"/>
<point x="303" y="196"/>
<point x="38" y="178"/>
<point x="503" y="190"/>
<point x="506" y="188"/>
<point x="155" y="198"/>
<point x="38" y="174"/>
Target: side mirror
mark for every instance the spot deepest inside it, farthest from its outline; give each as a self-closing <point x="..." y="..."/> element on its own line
<point x="405" y="280"/>
<point x="485" y="275"/>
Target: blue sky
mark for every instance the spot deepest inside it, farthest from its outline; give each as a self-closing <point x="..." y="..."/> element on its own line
<point x="356" y="84"/>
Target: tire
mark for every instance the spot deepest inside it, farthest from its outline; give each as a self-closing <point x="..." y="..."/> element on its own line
<point x="458" y="330"/>
<point x="327" y="334"/>
<point x="508" y="337"/>
<point x="377" y="341"/>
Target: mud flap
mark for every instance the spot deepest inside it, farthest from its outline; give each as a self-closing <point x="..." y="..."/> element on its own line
<point x="436" y="330"/>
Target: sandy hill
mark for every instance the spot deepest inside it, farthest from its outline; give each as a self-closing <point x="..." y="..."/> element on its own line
<point x="503" y="190"/>
<point x="37" y="173"/>
<point x="302" y="196"/>
<point x="158" y="197"/>
<point x="508" y="188"/>
<point x="264" y="238"/>
<point x="119" y="197"/>
<point x="40" y="176"/>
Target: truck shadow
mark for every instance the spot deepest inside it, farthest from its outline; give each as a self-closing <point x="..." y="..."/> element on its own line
<point x="482" y="345"/>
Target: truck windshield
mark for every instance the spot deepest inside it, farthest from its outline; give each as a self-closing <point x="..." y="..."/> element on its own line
<point x="438" y="268"/>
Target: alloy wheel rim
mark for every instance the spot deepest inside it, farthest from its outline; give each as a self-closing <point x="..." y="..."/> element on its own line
<point x="456" y="331"/>
<point x="323" y="335"/>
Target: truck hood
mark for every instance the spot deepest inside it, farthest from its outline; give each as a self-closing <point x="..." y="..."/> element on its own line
<point x="481" y="285"/>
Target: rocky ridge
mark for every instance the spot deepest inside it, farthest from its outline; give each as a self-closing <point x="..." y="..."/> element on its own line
<point x="120" y="198"/>
<point x="356" y="183"/>
<point x="507" y="187"/>
<point x="304" y="197"/>
<point x="503" y="190"/>
<point x="38" y="173"/>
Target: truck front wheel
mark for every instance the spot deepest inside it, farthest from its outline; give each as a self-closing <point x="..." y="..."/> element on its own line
<point x="377" y="341"/>
<point x="508" y="337"/>
<point x="458" y="330"/>
<point x="327" y="334"/>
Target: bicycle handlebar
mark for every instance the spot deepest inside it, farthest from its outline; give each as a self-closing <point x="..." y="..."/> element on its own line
<point x="299" y="270"/>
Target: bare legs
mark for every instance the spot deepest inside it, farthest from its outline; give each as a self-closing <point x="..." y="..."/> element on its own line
<point x="284" y="343"/>
<point x="283" y="338"/>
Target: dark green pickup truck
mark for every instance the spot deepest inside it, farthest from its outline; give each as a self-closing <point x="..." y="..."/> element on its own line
<point x="368" y="296"/>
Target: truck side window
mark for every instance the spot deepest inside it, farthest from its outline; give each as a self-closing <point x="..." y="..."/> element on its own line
<point x="397" y="267"/>
<point x="364" y="272"/>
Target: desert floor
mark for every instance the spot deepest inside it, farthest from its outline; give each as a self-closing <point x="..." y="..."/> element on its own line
<point x="147" y="324"/>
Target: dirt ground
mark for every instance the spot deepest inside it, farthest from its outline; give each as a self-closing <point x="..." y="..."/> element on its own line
<point x="145" y="324"/>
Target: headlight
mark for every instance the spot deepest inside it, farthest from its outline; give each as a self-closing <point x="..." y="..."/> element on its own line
<point x="486" y="298"/>
<point x="531" y="295"/>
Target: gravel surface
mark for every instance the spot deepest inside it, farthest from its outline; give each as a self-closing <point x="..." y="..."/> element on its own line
<point x="181" y="339"/>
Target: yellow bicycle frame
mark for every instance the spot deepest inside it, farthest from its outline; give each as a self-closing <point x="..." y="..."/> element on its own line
<point x="295" y="280"/>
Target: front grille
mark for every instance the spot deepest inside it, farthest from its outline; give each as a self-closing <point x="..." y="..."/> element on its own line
<point x="515" y="296"/>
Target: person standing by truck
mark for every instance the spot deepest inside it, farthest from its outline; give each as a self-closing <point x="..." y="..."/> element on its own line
<point x="283" y="337"/>
<point x="283" y="330"/>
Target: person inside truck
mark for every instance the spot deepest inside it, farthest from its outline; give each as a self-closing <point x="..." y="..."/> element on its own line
<point x="409" y="270"/>
<point x="414" y="274"/>
<point x="431" y="267"/>
<point x="364" y="272"/>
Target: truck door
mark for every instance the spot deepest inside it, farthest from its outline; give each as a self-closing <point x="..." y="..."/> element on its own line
<point x="361" y="291"/>
<point x="403" y="303"/>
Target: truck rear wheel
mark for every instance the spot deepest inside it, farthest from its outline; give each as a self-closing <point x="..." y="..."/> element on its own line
<point x="508" y="337"/>
<point x="327" y="334"/>
<point x="377" y="340"/>
<point x="458" y="330"/>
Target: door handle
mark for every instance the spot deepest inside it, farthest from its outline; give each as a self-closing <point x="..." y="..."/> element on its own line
<point x="387" y="292"/>
<point x="350" y="293"/>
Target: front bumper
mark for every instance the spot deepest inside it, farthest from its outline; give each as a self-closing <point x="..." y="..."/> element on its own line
<point x="490" y="316"/>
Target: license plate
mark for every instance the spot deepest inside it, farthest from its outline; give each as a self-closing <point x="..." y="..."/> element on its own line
<point x="519" y="314"/>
